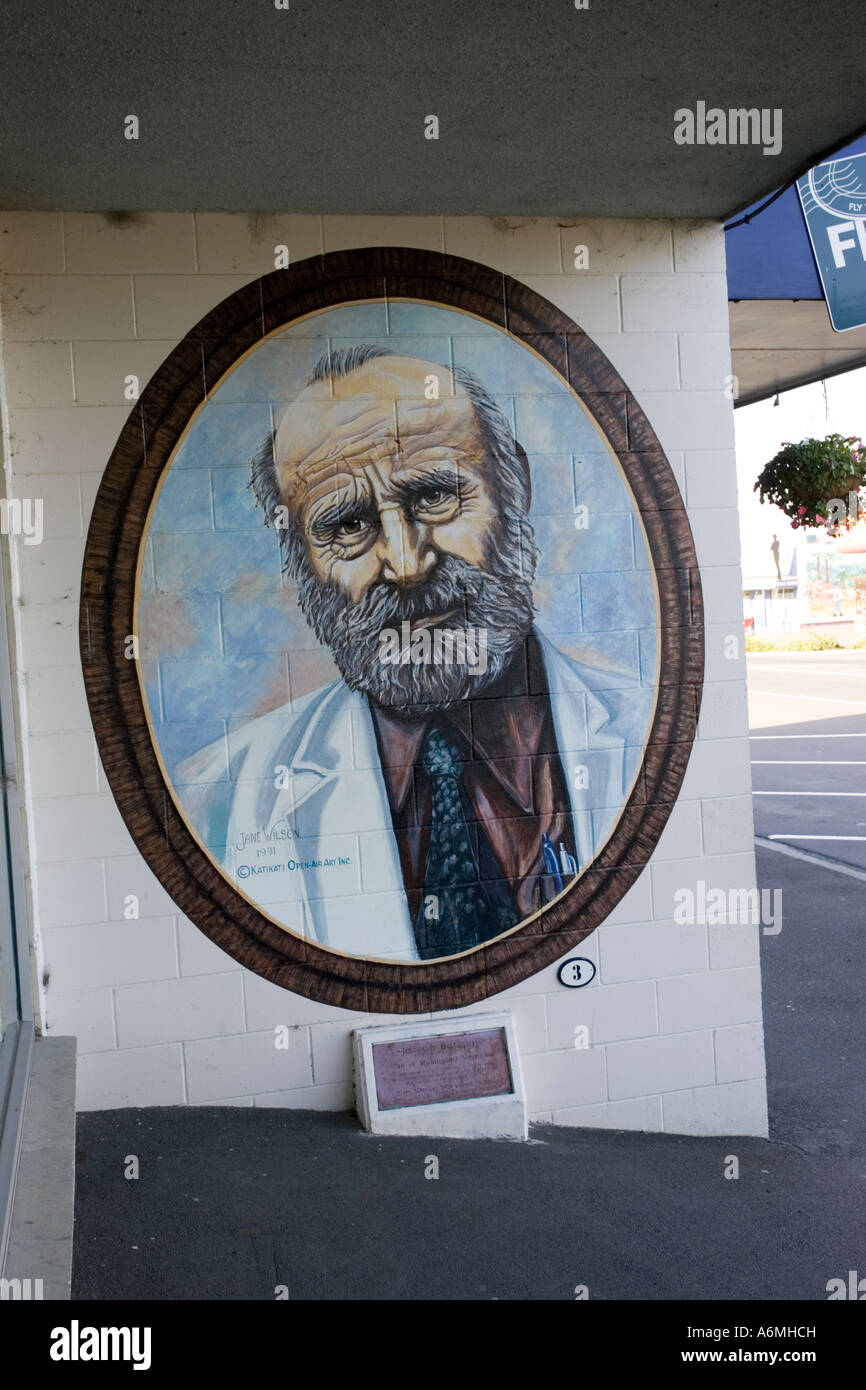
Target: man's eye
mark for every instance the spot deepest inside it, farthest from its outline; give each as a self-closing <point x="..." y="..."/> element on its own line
<point x="351" y="533"/>
<point x="435" y="497"/>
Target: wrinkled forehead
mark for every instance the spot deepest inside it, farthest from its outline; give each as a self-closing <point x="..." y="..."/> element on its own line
<point x="387" y="401"/>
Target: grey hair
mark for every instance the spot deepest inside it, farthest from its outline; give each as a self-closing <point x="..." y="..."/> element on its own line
<point x="511" y="475"/>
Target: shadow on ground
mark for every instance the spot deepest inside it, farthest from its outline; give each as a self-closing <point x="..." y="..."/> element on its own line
<point x="233" y="1202"/>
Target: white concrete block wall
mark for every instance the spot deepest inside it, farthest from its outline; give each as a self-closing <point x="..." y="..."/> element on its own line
<point x="162" y="1016"/>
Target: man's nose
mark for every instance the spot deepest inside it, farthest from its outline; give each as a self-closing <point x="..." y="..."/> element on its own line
<point x="407" y="554"/>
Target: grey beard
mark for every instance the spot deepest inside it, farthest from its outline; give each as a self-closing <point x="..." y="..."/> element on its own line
<point x="497" y="601"/>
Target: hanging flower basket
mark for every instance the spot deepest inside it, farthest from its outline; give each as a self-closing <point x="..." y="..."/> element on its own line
<point x="811" y="481"/>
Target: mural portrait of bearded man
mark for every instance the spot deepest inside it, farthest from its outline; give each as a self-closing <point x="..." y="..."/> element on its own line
<point x="462" y="770"/>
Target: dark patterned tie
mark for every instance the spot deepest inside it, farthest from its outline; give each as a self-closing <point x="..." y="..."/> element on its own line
<point x="459" y="909"/>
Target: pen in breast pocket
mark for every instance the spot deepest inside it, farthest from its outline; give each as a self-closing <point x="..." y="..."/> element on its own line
<point x="551" y="862"/>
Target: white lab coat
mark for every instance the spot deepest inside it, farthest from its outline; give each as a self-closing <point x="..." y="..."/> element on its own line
<point x="296" y="809"/>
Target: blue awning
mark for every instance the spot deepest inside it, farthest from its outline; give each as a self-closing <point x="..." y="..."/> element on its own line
<point x="781" y="335"/>
<point x="771" y="257"/>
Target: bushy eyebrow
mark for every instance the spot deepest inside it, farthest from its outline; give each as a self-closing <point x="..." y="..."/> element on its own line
<point x="406" y="489"/>
<point x="412" y="484"/>
<point x="343" y="510"/>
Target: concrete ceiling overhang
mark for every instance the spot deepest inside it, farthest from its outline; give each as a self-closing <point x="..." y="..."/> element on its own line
<point x="779" y="344"/>
<point x="544" y="109"/>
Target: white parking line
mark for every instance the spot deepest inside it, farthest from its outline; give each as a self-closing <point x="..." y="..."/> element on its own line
<point x="819" y="860"/>
<point x="754" y="793"/>
<point x="797" y="736"/>
<point x="817" y="837"/>
<point x="808" y="762"/>
<point x="816" y="699"/>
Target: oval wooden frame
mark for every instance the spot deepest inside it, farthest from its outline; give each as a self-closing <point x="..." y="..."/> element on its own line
<point x="181" y="384"/>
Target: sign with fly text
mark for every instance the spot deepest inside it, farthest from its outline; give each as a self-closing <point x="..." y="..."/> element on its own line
<point x="833" y="198"/>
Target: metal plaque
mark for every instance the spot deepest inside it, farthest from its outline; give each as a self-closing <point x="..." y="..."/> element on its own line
<point x="451" y="1066"/>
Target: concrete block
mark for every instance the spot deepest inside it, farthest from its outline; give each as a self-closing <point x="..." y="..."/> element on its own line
<point x="690" y="419"/>
<point x="699" y="245"/>
<point x="85" y="1014"/>
<point x="109" y="953"/>
<point x="62" y="764"/>
<point x="593" y="303"/>
<point x="101" y="369"/>
<point x="50" y="307"/>
<point x="711" y="478"/>
<point x="57" y="702"/>
<point x="49" y="634"/>
<point x="332" y="1051"/>
<point x="169" y="306"/>
<point x="66" y="438"/>
<point x="341" y="233"/>
<point x="739" y="1052"/>
<point x="618" y="244"/>
<point x="31" y="243"/>
<point x="728" y="824"/>
<point x="51" y="572"/>
<point x="722" y="589"/>
<point x="643" y="1114"/>
<point x="717" y="535"/>
<point x="677" y="303"/>
<point x="651" y="950"/>
<point x="609" y="1012"/>
<point x="675" y="878"/>
<point x="243" y="243"/>
<point x="150" y="242"/>
<point x="724" y="709"/>
<point x="716" y="999"/>
<point x="653" y="1065"/>
<point x="559" y="1080"/>
<point x="175" y="1010"/>
<point x="37" y="374"/>
<point x="71" y="893"/>
<point x="337" y="1097"/>
<point x="681" y="837"/>
<point x="734" y="945"/>
<point x="89" y="826"/>
<point x="130" y="876"/>
<point x="705" y="362"/>
<point x="246" y="1065"/>
<point x="270" y="1005"/>
<point x="645" y="361"/>
<point x="738" y="1108"/>
<point x="199" y="955"/>
<point x="719" y="766"/>
<point x="60" y="498"/>
<point x="515" y="245"/>
<point x="135" y="1076"/>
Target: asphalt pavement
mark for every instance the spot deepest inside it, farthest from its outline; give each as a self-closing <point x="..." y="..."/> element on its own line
<point x="807" y="714"/>
<point x="233" y="1203"/>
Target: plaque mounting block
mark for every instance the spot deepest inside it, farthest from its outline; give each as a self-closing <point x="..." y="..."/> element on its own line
<point x="458" y="1078"/>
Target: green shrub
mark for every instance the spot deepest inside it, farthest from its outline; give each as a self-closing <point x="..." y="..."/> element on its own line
<point x="814" y="642"/>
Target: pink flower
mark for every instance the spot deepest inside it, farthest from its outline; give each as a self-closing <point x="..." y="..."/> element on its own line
<point x="801" y="511"/>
